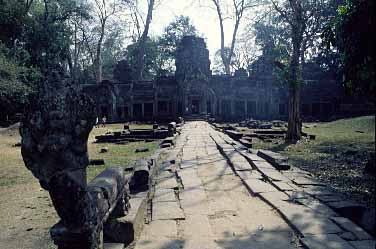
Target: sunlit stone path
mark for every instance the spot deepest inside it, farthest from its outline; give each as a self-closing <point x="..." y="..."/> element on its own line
<point x="200" y="203"/>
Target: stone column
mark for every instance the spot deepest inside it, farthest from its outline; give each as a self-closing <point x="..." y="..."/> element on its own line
<point x="246" y="108"/>
<point x="220" y="107"/>
<point x="131" y="103"/>
<point x="232" y="108"/>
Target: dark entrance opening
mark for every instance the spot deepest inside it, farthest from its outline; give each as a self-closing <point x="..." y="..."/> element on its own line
<point x="195" y="106"/>
<point x="137" y="111"/>
<point x="208" y="107"/>
<point x="180" y="108"/>
<point x="126" y="111"/>
<point x="148" y="110"/>
<point x="104" y="111"/>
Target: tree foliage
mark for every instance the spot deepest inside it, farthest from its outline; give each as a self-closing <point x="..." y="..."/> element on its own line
<point x="351" y="32"/>
<point x="168" y="42"/>
<point x="17" y="82"/>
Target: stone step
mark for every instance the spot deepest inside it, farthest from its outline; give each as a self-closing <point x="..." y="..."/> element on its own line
<point x="113" y="246"/>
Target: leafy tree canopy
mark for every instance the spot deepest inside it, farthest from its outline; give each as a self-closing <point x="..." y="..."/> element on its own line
<point x="351" y="33"/>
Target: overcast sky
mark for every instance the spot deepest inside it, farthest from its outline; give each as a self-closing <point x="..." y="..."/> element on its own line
<point x="203" y="18"/>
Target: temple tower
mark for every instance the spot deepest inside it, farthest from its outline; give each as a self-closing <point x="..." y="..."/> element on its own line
<point x="193" y="75"/>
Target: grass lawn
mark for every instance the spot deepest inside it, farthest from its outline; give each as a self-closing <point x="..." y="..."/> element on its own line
<point x="117" y="155"/>
<point x="337" y="156"/>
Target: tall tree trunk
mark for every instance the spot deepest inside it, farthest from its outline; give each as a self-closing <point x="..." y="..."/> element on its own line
<point x="294" y="129"/>
<point x="98" y="55"/>
<point x="225" y="62"/>
<point x="142" y="43"/>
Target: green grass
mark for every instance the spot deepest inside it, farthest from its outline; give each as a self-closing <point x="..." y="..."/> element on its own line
<point x="13" y="170"/>
<point x="118" y="155"/>
<point x="337" y="156"/>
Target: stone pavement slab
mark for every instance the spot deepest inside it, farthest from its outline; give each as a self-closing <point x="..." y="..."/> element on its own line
<point x="348" y="225"/>
<point x="163" y="195"/>
<point x="307" y="221"/>
<point x="317" y="206"/>
<point x="155" y="243"/>
<point x="161" y="229"/>
<point x="215" y="207"/>
<point x="167" y="183"/>
<point x="167" y="211"/>
<point x="202" y="243"/>
<point x="283" y="186"/>
<point x="325" y="241"/>
<point x="364" y="244"/>
<point x="261" y="240"/>
<point x="274" y="175"/>
<point x="242" y="166"/>
<point x="258" y="186"/>
<point x="263" y="165"/>
<point x="196" y="227"/>
<point x="245" y="175"/>
<point x="252" y="157"/>
<point x="194" y="202"/>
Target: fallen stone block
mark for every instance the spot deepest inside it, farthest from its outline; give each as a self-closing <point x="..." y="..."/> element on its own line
<point x="276" y="159"/>
<point x="302" y="180"/>
<point x="96" y="162"/>
<point x="142" y="150"/>
<point x="234" y="134"/>
<point x="140" y="178"/>
<point x="104" y="150"/>
<point x="165" y="145"/>
<point x="113" y="246"/>
<point x="246" y="143"/>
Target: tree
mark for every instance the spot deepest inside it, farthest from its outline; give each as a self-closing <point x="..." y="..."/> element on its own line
<point x="142" y="40"/>
<point x="239" y="8"/>
<point x="303" y="20"/>
<point x="150" y="64"/>
<point x="169" y="41"/>
<point x="218" y="66"/>
<point x="351" y="33"/>
<point x="17" y="82"/>
<point x="104" y="9"/>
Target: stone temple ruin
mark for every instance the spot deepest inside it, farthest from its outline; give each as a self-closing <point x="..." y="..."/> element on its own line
<point x="194" y="91"/>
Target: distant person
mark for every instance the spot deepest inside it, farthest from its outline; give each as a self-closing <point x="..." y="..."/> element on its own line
<point x="97" y="122"/>
<point x="104" y="119"/>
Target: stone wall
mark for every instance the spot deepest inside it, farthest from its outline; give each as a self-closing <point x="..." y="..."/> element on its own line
<point x="195" y="91"/>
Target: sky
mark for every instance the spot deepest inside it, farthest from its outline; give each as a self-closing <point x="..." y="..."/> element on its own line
<point x="204" y="19"/>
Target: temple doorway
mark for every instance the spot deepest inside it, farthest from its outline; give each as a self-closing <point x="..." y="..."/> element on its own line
<point x="195" y="106"/>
